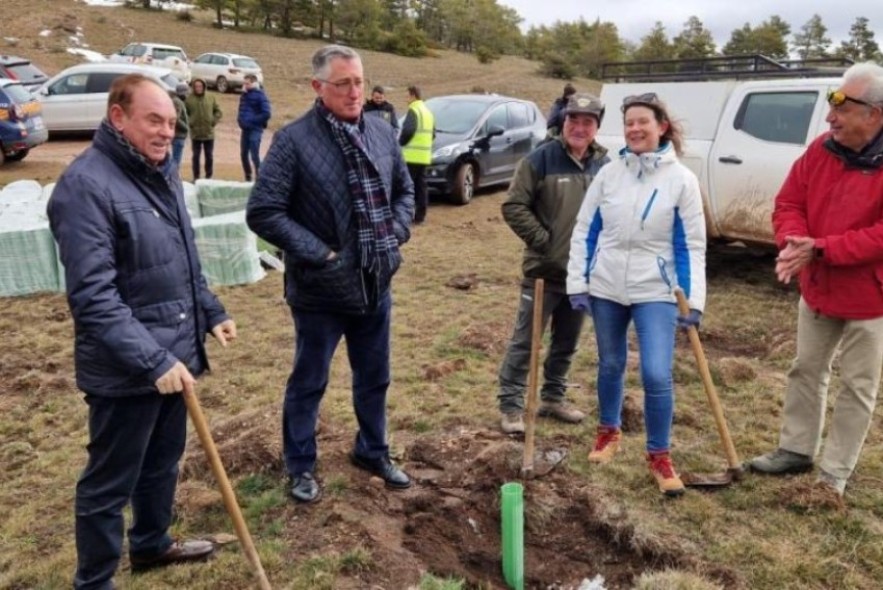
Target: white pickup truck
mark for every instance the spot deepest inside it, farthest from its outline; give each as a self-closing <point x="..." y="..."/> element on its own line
<point x="741" y="137"/>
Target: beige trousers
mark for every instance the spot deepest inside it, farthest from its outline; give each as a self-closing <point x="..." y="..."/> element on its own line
<point x="861" y="359"/>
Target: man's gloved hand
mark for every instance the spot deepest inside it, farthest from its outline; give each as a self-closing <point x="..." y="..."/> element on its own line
<point x="580" y="302"/>
<point x="684" y="322"/>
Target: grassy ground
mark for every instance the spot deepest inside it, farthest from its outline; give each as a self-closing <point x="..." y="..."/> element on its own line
<point x="447" y="345"/>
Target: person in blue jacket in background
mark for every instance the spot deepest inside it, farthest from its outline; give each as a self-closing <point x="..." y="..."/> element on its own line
<point x="254" y="115"/>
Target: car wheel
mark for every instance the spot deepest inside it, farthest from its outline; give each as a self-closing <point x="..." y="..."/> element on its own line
<point x="222" y="85"/>
<point x="16" y="157"/>
<point x="464" y="184"/>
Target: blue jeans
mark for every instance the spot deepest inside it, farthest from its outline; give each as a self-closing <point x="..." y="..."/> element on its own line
<point x="250" y="147"/>
<point x="135" y="444"/>
<point x="178" y="150"/>
<point x="655" y="325"/>
<point x="317" y="335"/>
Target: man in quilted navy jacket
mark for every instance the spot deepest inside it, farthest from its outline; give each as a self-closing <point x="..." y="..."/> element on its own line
<point x="141" y="311"/>
<point x="335" y="195"/>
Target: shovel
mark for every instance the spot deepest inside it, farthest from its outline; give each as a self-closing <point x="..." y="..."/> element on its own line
<point x="211" y="451"/>
<point x="530" y="414"/>
<point x="735" y="470"/>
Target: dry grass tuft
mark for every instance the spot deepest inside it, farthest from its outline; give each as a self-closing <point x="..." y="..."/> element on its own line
<point x="487" y="338"/>
<point x="806" y="497"/>
<point x="442" y="369"/>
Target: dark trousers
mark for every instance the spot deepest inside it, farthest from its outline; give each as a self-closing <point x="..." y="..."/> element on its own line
<point x="207" y="145"/>
<point x="367" y="345"/>
<point x="421" y="198"/>
<point x="566" y="324"/>
<point x="134" y="447"/>
<point x="250" y="147"/>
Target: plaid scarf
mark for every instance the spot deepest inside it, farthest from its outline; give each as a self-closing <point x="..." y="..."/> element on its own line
<point x="378" y="246"/>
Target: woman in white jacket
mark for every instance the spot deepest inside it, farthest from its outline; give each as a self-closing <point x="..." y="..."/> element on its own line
<point x="640" y="234"/>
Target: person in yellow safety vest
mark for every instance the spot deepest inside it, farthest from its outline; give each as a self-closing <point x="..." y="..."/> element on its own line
<point x="418" y="131"/>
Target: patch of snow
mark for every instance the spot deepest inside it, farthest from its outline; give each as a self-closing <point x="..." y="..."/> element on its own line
<point x="46" y="33"/>
<point x="88" y="54"/>
<point x="173" y="6"/>
<point x="596" y="583"/>
<point x="11" y="40"/>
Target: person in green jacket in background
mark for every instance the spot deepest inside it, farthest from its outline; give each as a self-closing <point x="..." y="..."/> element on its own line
<point x="204" y="113"/>
<point x="418" y="131"/>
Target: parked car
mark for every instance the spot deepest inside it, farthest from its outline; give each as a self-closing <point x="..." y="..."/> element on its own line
<point x="479" y="138"/>
<point x="21" y="121"/>
<point x="21" y="69"/>
<point x="76" y="99"/>
<point x="155" y="54"/>
<point x="225" y="71"/>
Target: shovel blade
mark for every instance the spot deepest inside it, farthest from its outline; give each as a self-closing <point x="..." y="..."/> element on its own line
<point x="707" y="480"/>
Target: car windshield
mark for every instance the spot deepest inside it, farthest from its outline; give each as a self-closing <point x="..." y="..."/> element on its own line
<point x="18" y="93"/>
<point x="455" y="115"/>
<point x="244" y="62"/>
<point x="26" y="72"/>
<point x="163" y="53"/>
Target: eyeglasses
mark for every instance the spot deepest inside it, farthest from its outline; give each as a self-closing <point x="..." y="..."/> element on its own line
<point x="836" y="98"/>
<point x="648" y="98"/>
<point x="344" y="86"/>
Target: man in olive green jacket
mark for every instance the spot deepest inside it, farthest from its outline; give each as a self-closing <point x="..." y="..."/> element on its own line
<point x="544" y="198"/>
<point x="204" y="113"/>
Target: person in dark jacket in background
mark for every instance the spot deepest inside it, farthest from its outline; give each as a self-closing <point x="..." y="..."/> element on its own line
<point x="334" y="194"/>
<point x="254" y="115"/>
<point x="141" y="310"/>
<point x="204" y="114"/>
<point x="555" y="120"/>
<point x="182" y="124"/>
<point x="380" y="107"/>
<point x="544" y="197"/>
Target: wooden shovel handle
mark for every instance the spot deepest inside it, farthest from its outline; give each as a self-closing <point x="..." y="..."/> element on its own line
<point x="710" y="389"/>
<point x="211" y="451"/>
<point x="536" y="338"/>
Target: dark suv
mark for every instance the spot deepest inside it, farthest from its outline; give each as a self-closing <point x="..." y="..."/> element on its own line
<point x="479" y="139"/>
<point x="22" y="70"/>
<point x="21" y="121"/>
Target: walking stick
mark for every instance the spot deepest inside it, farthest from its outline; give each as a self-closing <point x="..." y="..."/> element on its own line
<point x="536" y="337"/>
<point x="211" y="451"/>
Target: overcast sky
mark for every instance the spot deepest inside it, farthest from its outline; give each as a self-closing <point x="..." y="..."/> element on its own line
<point x="635" y="18"/>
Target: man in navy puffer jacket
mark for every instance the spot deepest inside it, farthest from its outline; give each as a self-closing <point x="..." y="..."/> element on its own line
<point x="254" y="114"/>
<point x="141" y="310"/>
<point x="335" y="195"/>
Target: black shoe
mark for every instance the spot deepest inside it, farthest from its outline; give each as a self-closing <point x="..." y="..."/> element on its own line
<point x="383" y="468"/>
<point x="304" y="488"/>
<point x="179" y="552"/>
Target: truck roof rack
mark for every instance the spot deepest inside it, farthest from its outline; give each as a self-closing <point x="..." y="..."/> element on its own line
<point x="755" y="66"/>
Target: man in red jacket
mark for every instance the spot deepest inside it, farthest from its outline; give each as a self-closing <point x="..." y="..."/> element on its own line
<point x="828" y="220"/>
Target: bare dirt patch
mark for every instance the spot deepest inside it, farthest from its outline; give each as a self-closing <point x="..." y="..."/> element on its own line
<point x="448" y="523"/>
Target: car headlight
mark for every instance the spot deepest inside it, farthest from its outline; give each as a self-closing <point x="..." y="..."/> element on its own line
<point x="449" y="151"/>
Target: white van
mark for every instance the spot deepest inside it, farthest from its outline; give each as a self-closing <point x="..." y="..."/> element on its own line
<point x="742" y="136"/>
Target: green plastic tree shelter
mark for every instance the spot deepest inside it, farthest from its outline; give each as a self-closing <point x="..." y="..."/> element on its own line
<point x="512" y="508"/>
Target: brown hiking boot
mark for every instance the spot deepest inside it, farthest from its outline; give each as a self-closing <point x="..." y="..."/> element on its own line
<point x="563" y="411"/>
<point x="512" y="423"/>
<point x="664" y="472"/>
<point x="606" y="444"/>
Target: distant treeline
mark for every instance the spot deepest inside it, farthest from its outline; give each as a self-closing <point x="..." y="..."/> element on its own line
<point x="489" y="30"/>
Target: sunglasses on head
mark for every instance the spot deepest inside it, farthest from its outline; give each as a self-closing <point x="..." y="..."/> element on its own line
<point x="648" y="98"/>
<point x="836" y="98"/>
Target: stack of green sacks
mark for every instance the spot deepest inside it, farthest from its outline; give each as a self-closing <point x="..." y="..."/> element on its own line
<point x="28" y="259"/>
<point x="191" y="200"/>
<point x="227" y="249"/>
<point x="217" y="197"/>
